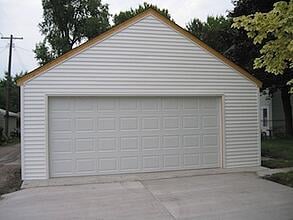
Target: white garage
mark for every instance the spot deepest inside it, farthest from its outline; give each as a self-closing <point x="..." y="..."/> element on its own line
<point x="145" y="96"/>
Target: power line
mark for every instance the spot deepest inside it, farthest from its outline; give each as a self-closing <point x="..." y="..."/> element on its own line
<point x="24" y="49"/>
<point x="8" y="80"/>
<point x="3" y="50"/>
<point x="19" y="59"/>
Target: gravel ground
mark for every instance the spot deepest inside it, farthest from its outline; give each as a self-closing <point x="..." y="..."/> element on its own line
<point x="10" y="179"/>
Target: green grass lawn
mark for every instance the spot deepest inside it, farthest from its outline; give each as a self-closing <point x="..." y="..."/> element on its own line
<point x="280" y="150"/>
<point x="282" y="178"/>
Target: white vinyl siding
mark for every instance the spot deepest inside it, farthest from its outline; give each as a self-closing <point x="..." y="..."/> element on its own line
<point x="147" y="58"/>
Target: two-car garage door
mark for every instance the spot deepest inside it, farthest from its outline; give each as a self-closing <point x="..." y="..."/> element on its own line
<point x="109" y="135"/>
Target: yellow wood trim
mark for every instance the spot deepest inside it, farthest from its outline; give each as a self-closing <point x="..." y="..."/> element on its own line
<point x="125" y="24"/>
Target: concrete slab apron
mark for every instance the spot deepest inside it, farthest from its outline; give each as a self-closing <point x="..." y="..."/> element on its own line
<point x="234" y="196"/>
<point x="228" y="196"/>
<point x="127" y="200"/>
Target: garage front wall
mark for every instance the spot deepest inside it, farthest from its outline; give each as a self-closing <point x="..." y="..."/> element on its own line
<point x="147" y="58"/>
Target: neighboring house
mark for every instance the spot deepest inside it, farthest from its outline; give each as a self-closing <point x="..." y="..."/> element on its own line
<point x="266" y="122"/>
<point x="145" y="96"/>
<point x="13" y="121"/>
<point x="272" y="114"/>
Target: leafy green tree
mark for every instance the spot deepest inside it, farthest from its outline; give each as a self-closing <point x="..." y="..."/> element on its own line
<point x="241" y="42"/>
<point x="215" y="32"/>
<point x="250" y="51"/>
<point x="273" y="30"/>
<point x="125" y="15"/>
<point x="14" y="100"/>
<point x="68" y="23"/>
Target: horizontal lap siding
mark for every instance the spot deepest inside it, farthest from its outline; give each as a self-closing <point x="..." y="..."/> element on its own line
<point x="144" y="59"/>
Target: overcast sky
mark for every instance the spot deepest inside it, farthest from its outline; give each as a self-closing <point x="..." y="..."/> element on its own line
<point x="21" y="18"/>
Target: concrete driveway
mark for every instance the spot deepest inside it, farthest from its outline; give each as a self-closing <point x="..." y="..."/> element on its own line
<point x="226" y="196"/>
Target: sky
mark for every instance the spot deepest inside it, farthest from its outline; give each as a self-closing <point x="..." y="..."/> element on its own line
<point x="21" y="18"/>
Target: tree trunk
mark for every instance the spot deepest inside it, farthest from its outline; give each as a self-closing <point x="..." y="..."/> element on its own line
<point x="287" y="108"/>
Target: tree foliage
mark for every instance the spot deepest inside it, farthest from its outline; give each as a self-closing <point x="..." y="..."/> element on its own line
<point x="249" y="50"/>
<point x="274" y="30"/>
<point x="247" y="7"/>
<point x="67" y="23"/>
<point x="215" y="32"/>
<point x="125" y="15"/>
<point x="14" y="100"/>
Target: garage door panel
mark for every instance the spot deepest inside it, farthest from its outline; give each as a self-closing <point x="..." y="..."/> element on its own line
<point x="107" y="164"/>
<point x="191" y="122"/>
<point x="84" y="105"/>
<point x="209" y="122"/>
<point x="150" y="105"/>
<point x="62" y="167"/>
<point x="191" y="140"/>
<point x="129" y="104"/>
<point x="63" y="156"/>
<point x="210" y="158"/>
<point x="128" y="123"/>
<point x="106" y="154"/>
<point x="85" y="145"/>
<point x="170" y="103"/>
<point x="61" y="105"/>
<point x="106" y="135"/>
<point x="191" y="150"/>
<point x="191" y="159"/>
<point x="151" y="152"/>
<point x="61" y="145"/>
<point x="84" y="124"/>
<point x="106" y="124"/>
<point x="171" y="161"/>
<point x="150" y="123"/>
<point x="106" y="105"/>
<point x="210" y="140"/>
<point x="129" y="163"/>
<point x="150" y="142"/>
<point x="61" y="124"/>
<point x="151" y="162"/>
<point x="106" y="144"/>
<point x="190" y="105"/>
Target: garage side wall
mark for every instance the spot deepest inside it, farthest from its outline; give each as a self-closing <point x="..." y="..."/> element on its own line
<point x="146" y="58"/>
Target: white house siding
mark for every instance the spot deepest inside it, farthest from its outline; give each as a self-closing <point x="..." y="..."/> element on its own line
<point x="147" y="58"/>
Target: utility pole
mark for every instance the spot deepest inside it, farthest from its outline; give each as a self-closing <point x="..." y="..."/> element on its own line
<point x="8" y="82"/>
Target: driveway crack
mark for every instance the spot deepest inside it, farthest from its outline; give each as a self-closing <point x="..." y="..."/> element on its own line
<point x="164" y="207"/>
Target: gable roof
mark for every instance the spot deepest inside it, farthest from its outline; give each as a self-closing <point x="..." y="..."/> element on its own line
<point x="38" y="71"/>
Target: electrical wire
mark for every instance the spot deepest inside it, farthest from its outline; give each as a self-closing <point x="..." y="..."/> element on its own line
<point x="1" y="51"/>
<point x="24" y="49"/>
<point x="19" y="59"/>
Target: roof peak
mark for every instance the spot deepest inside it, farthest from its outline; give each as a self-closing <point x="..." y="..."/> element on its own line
<point x="150" y="11"/>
